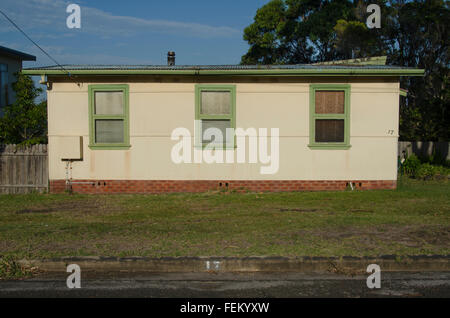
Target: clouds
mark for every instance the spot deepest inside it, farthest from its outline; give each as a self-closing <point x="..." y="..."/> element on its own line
<point x="51" y="15"/>
<point x="142" y="32"/>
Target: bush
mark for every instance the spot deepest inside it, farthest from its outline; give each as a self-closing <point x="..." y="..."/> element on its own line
<point x="410" y="166"/>
<point x="427" y="172"/>
<point x="441" y="172"/>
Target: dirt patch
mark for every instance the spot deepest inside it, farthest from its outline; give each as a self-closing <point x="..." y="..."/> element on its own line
<point x="409" y="236"/>
<point x="86" y="206"/>
<point x="297" y="210"/>
<point x="35" y="210"/>
<point x="100" y="246"/>
<point x="361" y="210"/>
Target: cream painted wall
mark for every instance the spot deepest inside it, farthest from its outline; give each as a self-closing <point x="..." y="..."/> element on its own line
<point x="158" y="108"/>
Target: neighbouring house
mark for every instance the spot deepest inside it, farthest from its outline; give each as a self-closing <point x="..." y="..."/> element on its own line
<point x="10" y="64"/>
<point x="137" y="129"/>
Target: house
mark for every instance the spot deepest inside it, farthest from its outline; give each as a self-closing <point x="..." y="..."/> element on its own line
<point x="10" y="64"/>
<point x="136" y="129"/>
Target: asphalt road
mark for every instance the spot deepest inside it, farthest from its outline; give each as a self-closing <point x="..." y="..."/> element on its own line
<point x="231" y="285"/>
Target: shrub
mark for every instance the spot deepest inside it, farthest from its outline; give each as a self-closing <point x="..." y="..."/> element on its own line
<point x="441" y="172"/>
<point x="411" y="164"/>
<point x="427" y="172"/>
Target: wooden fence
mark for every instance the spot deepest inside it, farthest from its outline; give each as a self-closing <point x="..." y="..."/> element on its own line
<point x="23" y="169"/>
<point x="425" y="148"/>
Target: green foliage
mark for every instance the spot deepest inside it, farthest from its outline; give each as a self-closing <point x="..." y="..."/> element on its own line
<point x="353" y="39"/>
<point x="293" y="31"/>
<point x="436" y="158"/>
<point x="427" y="171"/>
<point x="412" y="34"/>
<point x="420" y="38"/>
<point x="424" y="168"/>
<point x="24" y="122"/>
<point x="411" y="164"/>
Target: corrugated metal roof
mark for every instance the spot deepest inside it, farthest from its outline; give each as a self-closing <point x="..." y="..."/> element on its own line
<point x="226" y="70"/>
<point x="221" y="67"/>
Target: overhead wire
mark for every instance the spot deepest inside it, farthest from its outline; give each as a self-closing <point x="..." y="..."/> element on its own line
<point x="39" y="47"/>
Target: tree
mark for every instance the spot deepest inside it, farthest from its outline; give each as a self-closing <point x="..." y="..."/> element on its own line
<point x="412" y="34"/>
<point x="295" y="31"/>
<point x="24" y="121"/>
<point x="353" y="39"/>
<point x="419" y="37"/>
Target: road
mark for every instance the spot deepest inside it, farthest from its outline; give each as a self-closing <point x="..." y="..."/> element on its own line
<point x="234" y="285"/>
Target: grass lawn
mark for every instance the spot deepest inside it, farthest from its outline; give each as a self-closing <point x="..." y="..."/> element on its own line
<point x="414" y="219"/>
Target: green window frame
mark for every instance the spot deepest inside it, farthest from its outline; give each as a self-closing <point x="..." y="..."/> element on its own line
<point x="313" y="116"/>
<point x="199" y="88"/>
<point x="94" y="117"/>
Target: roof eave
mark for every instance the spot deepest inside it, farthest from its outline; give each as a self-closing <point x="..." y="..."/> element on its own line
<point x="262" y="72"/>
<point x="16" y="54"/>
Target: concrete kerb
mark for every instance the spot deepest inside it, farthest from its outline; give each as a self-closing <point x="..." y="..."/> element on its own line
<point x="342" y="265"/>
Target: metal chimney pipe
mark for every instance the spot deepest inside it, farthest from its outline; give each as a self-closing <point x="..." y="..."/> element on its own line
<point x="171" y="58"/>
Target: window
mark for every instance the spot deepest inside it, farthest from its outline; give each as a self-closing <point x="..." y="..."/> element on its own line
<point x="3" y="84"/>
<point x="215" y="108"/>
<point x="108" y="117"/>
<point x="329" y="116"/>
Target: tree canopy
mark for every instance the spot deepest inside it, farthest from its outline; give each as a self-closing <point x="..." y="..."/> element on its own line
<point x="412" y="33"/>
<point x="24" y="121"/>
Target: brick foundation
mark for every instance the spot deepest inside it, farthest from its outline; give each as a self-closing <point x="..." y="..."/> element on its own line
<point x="166" y="186"/>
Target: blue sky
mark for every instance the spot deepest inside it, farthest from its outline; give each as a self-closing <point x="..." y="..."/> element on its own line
<point x="131" y="32"/>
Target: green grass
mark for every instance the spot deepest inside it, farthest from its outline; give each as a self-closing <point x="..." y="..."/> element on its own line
<point x="414" y="219"/>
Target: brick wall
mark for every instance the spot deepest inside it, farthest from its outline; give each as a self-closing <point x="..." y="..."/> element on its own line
<point x="165" y="186"/>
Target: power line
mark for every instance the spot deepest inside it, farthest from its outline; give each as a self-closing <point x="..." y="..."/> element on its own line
<point x="37" y="45"/>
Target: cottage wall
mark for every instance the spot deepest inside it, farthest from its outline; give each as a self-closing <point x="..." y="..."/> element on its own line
<point x="159" y="105"/>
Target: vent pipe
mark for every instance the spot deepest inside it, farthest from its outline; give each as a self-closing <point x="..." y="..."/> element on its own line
<point x="171" y="58"/>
